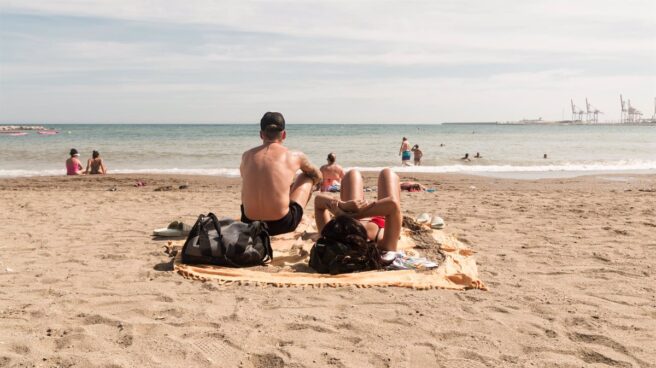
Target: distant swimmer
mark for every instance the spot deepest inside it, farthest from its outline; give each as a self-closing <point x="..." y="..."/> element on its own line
<point x="73" y="164"/>
<point x="332" y="174"/>
<point x="441" y="144"/>
<point x="545" y="156"/>
<point x="95" y="165"/>
<point x="405" y="153"/>
<point x="466" y="157"/>
<point x="478" y="155"/>
<point x="418" y="154"/>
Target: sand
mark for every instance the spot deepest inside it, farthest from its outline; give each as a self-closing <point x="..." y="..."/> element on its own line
<point x="569" y="263"/>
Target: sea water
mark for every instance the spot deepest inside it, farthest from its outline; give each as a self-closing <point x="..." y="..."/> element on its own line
<point x="217" y="149"/>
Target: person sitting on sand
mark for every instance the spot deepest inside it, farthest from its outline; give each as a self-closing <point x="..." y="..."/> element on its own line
<point x="404" y="151"/>
<point x="381" y="218"/>
<point x="418" y="154"/>
<point x="269" y="191"/>
<point x="73" y="164"/>
<point x="466" y="158"/>
<point x="332" y="173"/>
<point x="95" y="165"/>
<point x="478" y="155"/>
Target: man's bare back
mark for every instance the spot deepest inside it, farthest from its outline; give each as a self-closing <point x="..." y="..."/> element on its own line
<point x="268" y="172"/>
<point x="332" y="174"/>
<point x="270" y="190"/>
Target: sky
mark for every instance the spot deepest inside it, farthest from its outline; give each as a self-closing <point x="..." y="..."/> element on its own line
<point x="201" y="61"/>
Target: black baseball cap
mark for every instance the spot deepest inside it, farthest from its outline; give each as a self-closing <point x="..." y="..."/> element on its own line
<point x="272" y="118"/>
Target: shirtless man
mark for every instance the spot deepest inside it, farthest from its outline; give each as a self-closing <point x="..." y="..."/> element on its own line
<point x="332" y="173"/>
<point x="269" y="191"/>
<point x="404" y="152"/>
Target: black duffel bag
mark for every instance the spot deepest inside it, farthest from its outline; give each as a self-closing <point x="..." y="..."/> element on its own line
<point x="227" y="242"/>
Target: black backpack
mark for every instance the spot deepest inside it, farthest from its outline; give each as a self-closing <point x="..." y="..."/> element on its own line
<point x="343" y="248"/>
<point x="227" y="242"/>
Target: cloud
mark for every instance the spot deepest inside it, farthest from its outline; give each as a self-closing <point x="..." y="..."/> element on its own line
<point x="363" y="59"/>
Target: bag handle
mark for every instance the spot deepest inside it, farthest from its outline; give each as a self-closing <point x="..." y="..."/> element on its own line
<point x="261" y="229"/>
<point x="217" y="224"/>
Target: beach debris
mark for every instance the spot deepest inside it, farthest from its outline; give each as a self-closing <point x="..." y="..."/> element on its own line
<point x="410" y="223"/>
<point x="165" y="188"/>
<point x="183" y="186"/>
<point x="112" y="189"/>
<point x="472" y="187"/>
<point x="402" y="261"/>
<point x="139" y="183"/>
<point x="9" y="270"/>
<point x="371" y="189"/>
<point x="437" y="223"/>
<point x="424" y="218"/>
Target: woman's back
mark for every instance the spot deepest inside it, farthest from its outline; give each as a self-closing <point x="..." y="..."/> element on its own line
<point x="73" y="166"/>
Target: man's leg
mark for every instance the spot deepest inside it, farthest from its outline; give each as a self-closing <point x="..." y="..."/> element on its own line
<point x="301" y="190"/>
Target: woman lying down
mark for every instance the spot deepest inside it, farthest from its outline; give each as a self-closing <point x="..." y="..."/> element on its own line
<point x="381" y="219"/>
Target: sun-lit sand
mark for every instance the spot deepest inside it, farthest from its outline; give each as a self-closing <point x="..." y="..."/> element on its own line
<point x="569" y="264"/>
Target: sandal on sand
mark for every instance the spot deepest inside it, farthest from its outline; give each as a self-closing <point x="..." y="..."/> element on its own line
<point x="175" y="229"/>
<point x="424" y="218"/>
<point x="437" y="223"/>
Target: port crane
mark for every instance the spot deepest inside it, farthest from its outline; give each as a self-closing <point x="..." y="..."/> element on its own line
<point x="576" y="112"/>
<point x="592" y="113"/>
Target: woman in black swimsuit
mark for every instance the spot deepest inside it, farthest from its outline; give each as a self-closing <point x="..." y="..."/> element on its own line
<point x="95" y="165"/>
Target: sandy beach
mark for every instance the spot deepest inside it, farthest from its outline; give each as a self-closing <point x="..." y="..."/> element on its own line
<point x="569" y="264"/>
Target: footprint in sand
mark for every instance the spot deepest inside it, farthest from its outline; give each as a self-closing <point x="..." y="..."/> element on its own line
<point x="267" y="361"/>
<point x="220" y="351"/>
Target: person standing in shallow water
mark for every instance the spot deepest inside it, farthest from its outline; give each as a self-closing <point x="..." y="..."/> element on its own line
<point x="332" y="173"/>
<point x="270" y="191"/>
<point x="418" y="154"/>
<point x="405" y="152"/>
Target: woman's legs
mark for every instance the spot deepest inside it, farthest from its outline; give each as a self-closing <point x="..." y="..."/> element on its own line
<point x="352" y="188"/>
<point x="388" y="205"/>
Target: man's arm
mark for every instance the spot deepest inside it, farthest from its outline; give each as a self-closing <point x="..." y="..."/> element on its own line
<point x="308" y="169"/>
<point x="341" y="173"/>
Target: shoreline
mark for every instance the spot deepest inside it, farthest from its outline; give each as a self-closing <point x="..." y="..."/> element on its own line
<point x="156" y="183"/>
<point x="234" y="173"/>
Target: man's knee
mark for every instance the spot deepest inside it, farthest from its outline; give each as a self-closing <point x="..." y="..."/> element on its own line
<point x="302" y="179"/>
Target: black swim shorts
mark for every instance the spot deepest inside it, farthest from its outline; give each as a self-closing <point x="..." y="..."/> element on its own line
<point x="286" y="224"/>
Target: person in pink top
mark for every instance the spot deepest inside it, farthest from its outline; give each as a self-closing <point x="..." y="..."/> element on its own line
<point x="73" y="164"/>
